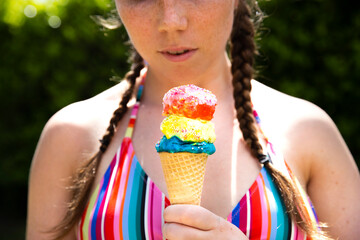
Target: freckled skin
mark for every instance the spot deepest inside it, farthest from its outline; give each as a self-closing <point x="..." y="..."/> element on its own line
<point x="201" y="24"/>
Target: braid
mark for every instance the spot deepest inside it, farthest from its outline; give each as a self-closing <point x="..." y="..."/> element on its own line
<point x="243" y="50"/>
<point x="121" y="110"/>
<point x="85" y="176"/>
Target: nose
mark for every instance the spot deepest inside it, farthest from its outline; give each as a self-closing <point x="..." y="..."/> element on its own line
<point x="172" y="16"/>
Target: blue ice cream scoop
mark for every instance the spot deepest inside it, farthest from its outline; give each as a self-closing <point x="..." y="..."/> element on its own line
<point x="174" y="145"/>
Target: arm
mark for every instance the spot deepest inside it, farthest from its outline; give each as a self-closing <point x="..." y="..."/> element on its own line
<point x="334" y="183"/>
<point x="55" y="159"/>
<point x="324" y="165"/>
<point x="195" y="222"/>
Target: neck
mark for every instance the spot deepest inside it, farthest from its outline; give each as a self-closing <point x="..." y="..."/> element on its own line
<point x="216" y="78"/>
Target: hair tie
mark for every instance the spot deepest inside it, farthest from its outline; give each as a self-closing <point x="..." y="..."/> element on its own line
<point x="265" y="159"/>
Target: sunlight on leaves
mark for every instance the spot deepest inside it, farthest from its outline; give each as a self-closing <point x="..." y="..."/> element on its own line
<point x="15" y="13"/>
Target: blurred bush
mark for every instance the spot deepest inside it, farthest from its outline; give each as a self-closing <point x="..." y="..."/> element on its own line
<point x="52" y="54"/>
<point x="311" y="49"/>
<point x="44" y="66"/>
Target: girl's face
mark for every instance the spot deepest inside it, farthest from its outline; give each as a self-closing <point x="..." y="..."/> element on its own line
<point x="178" y="35"/>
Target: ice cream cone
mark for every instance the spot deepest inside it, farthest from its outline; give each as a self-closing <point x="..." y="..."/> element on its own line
<point x="184" y="175"/>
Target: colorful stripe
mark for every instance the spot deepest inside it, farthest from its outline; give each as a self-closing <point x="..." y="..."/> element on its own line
<point x="261" y="214"/>
<point x="127" y="204"/>
<point x="126" y="201"/>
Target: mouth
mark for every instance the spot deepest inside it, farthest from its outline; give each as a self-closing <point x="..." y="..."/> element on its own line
<point x="178" y="54"/>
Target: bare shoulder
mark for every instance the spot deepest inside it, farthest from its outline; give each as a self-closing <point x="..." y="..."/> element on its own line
<point x="68" y="138"/>
<point x="317" y="154"/>
<point x="79" y="125"/>
<point x="306" y="134"/>
<point x="282" y="106"/>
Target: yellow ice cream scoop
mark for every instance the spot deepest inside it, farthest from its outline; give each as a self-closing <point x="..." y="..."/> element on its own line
<point x="188" y="129"/>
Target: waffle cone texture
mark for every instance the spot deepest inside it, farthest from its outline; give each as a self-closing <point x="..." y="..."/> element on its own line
<point x="184" y="175"/>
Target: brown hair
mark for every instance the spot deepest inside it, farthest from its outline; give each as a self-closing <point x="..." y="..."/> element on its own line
<point x="84" y="177"/>
<point x="243" y="51"/>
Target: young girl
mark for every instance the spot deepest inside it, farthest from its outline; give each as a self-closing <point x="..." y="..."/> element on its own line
<point x="274" y="152"/>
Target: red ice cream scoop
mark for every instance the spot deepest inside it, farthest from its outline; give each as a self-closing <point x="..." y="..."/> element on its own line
<point x="190" y="101"/>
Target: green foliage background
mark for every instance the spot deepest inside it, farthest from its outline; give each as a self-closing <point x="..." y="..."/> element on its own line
<point x="309" y="49"/>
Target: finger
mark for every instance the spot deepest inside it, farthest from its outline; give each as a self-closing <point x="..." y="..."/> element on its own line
<point x="226" y="230"/>
<point x="176" y="231"/>
<point x="191" y="215"/>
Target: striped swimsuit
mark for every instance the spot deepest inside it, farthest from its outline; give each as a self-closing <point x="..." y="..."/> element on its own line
<point x="126" y="204"/>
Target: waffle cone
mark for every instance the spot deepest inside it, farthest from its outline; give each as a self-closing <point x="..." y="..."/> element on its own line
<point x="184" y="175"/>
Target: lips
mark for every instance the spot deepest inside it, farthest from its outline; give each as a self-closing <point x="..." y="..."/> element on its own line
<point x="178" y="54"/>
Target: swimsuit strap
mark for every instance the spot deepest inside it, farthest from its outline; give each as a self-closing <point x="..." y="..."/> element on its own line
<point x="134" y="111"/>
<point x="258" y="121"/>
